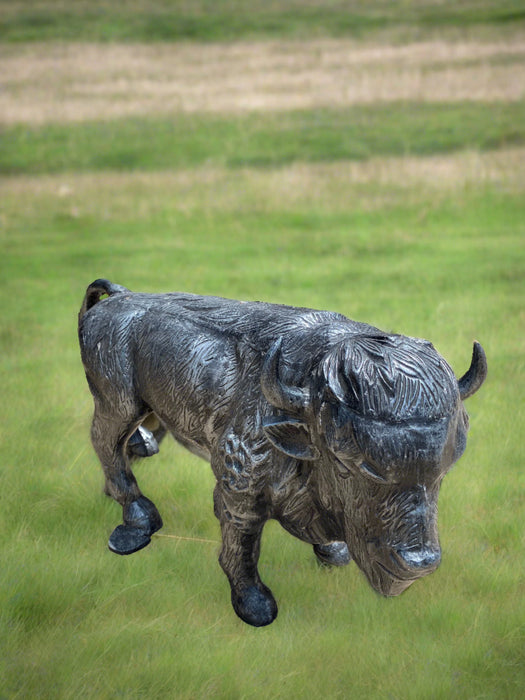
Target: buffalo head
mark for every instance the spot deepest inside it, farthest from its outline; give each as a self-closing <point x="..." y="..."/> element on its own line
<point x="382" y="417"/>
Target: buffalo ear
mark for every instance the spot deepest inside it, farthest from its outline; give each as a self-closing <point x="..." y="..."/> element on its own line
<point x="290" y="436"/>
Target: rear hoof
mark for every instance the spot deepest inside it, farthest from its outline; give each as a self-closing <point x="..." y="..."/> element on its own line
<point x="142" y="443"/>
<point x="141" y="520"/>
<point x="126" y="540"/>
<point x="255" y="605"/>
<point x="333" y="554"/>
<point x="143" y="515"/>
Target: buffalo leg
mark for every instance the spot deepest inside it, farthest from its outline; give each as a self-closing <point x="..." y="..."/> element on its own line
<point x="241" y="543"/>
<point x="141" y="517"/>
<point x="333" y="553"/>
<point x="306" y="522"/>
<point x="251" y="599"/>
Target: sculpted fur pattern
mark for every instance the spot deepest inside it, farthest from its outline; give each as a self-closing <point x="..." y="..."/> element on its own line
<point x="339" y="431"/>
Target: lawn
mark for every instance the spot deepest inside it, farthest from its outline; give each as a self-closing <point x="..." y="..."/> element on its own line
<point x="408" y="214"/>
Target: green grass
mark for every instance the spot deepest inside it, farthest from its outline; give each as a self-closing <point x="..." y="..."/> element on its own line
<point x="262" y="140"/>
<point x="79" y="621"/>
<point x="226" y="20"/>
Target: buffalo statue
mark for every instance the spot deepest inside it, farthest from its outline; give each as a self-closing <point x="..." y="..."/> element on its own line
<point x="339" y="431"/>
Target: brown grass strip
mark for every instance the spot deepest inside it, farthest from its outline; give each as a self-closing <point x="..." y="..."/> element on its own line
<point x="73" y="82"/>
<point x="327" y="186"/>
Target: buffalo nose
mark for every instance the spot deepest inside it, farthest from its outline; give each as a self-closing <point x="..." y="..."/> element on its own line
<point x="425" y="560"/>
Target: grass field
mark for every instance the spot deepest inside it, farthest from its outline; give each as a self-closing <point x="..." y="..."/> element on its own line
<point x="206" y="20"/>
<point x="372" y="167"/>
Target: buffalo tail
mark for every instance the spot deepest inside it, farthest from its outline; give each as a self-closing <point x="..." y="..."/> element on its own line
<point x="96" y="291"/>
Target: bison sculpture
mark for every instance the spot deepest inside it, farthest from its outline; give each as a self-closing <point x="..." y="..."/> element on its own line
<point x="339" y="431"/>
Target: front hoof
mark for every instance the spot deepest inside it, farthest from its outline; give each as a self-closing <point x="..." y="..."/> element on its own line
<point x="255" y="606"/>
<point x="333" y="554"/>
<point x="126" y="540"/>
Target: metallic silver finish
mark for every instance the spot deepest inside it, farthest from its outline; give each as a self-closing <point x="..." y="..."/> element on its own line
<point x="339" y="431"/>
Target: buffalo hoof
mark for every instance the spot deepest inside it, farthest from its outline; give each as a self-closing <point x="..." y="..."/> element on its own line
<point x="142" y="443"/>
<point x="126" y="540"/>
<point x="255" y="605"/>
<point x="333" y="554"/>
<point x="141" y="520"/>
<point x="142" y="514"/>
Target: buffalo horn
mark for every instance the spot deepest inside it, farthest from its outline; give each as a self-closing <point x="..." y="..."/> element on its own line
<point x="285" y="398"/>
<point x="475" y="376"/>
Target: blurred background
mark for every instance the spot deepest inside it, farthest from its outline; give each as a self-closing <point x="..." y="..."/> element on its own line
<point x="362" y="157"/>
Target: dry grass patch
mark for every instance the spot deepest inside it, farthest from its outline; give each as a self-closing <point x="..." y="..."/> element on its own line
<point x="325" y="186"/>
<point x="75" y="82"/>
